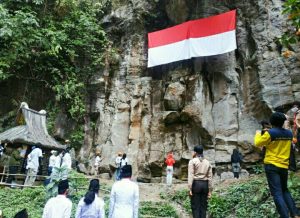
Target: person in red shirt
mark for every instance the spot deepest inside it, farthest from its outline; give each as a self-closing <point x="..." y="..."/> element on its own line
<point x="170" y="162"/>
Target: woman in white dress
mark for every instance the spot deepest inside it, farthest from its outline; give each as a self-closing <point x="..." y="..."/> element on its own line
<point x="124" y="197"/>
<point x="91" y="205"/>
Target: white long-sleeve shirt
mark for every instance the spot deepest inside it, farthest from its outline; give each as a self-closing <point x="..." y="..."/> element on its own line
<point x="124" y="162"/>
<point x="97" y="161"/>
<point x="124" y="199"/>
<point x="52" y="161"/>
<point x="118" y="161"/>
<point x="93" y="210"/>
<point x="67" y="161"/>
<point x="58" y="161"/>
<point x="58" y="207"/>
<point x="33" y="159"/>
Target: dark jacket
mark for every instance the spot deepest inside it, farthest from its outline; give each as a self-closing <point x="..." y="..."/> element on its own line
<point x="236" y="157"/>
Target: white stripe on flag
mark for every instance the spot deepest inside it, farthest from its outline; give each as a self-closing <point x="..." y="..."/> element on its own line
<point x="193" y="47"/>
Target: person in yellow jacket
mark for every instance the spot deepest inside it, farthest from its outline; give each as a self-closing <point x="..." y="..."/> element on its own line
<point x="277" y="142"/>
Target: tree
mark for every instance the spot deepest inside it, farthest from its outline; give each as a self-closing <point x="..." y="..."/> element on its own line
<point x="59" y="43"/>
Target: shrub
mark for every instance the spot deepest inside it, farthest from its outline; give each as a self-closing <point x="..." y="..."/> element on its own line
<point x="249" y="199"/>
<point x="180" y="197"/>
<point x="157" y="209"/>
<point x="14" y="200"/>
<point x="34" y="199"/>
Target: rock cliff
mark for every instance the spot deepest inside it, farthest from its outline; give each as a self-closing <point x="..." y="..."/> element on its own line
<point x="215" y="101"/>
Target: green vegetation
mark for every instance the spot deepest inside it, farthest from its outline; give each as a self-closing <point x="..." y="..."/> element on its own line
<point x="249" y="199"/>
<point x="292" y="36"/>
<point x="77" y="181"/>
<point x="77" y="137"/>
<point x="180" y="197"/>
<point x="14" y="200"/>
<point x="34" y="199"/>
<point x="258" y="168"/>
<point x="157" y="209"/>
<point x="58" y="43"/>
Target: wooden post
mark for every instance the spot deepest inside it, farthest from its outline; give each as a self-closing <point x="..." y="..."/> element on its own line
<point x="3" y="172"/>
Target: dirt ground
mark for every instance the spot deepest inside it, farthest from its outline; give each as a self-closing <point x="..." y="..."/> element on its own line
<point x="152" y="191"/>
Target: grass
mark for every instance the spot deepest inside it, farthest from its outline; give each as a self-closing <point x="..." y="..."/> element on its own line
<point x="249" y="198"/>
<point x="157" y="209"/>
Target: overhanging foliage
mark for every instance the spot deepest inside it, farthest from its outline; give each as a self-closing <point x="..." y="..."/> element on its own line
<point x="58" y="43"/>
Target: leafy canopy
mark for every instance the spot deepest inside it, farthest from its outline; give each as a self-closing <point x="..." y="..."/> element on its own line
<point x="59" y="43"/>
<point x="292" y="36"/>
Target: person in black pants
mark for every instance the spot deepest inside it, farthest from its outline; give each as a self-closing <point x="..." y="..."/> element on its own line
<point x="236" y="159"/>
<point x="278" y="141"/>
<point x="199" y="182"/>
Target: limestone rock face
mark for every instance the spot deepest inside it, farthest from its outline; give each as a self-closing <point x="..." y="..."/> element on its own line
<point x="215" y="101"/>
<point x="174" y="96"/>
<point x="63" y="126"/>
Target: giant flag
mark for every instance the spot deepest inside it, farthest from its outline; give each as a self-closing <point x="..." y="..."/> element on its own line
<point x="203" y="37"/>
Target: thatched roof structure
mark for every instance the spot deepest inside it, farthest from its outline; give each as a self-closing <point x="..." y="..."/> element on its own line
<point x="32" y="129"/>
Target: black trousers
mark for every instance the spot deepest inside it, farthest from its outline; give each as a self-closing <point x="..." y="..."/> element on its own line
<point x="236" y="174"/>
<point x="12" y="170"/>
<point x="199" y="198"/>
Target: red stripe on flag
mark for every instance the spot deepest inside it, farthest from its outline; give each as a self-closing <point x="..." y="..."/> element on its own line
<point x="194" y="29"/>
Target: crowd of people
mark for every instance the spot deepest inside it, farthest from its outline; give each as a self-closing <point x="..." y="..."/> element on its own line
<point x="32" y="161"/>
<point x="124" y="200"/>
<point x="276" y="141"/>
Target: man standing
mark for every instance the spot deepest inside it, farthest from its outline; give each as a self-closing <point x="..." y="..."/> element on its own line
<point x="98" y="160"/>
<point x="34" y="160"/>
<point x="124" y="196"/>
<point x="199" y="182"/>
<point x="277" y="142"/>
<point x="66" y="159"/>
<point x="170" y="162"/>
<point x="52" y="162"/>
<point x="118" y="165"/>
<point x="236" y="159"/>
<point x="59" y="206"/>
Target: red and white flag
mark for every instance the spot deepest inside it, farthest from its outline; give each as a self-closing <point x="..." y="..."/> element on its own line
<point x="203" y="37"/>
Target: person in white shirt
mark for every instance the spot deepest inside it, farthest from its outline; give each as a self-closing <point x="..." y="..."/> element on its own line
<point x="98" y="160"/>
<point x="33" y="164"/>
<point x="52" y="162"/>
<point x="66" y="159"/>
<point x="124" y="160"/>
<point x="58" y="160"/>
<point x="59" y="206"/>
<point x="91" y="205"/>
<point x="124" y="196"/>
<point x="118" y="165"/>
